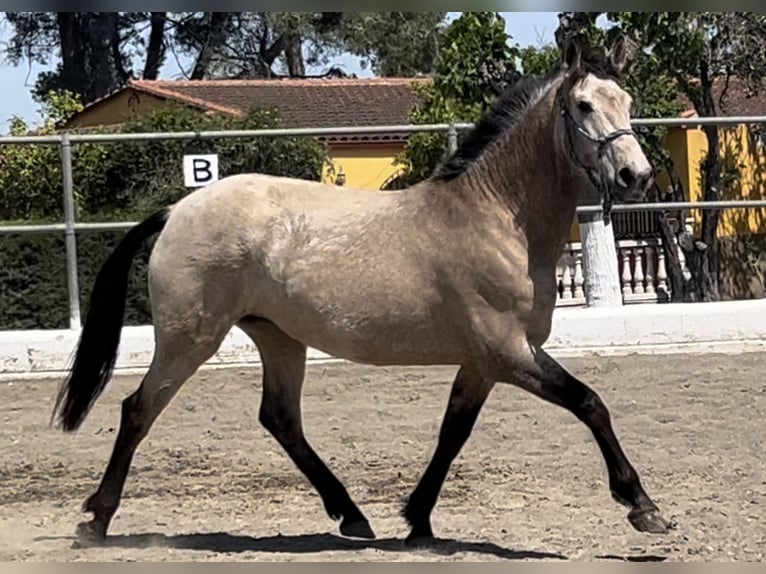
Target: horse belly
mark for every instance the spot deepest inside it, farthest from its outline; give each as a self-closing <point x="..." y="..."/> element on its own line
<point x="363" y="328"/>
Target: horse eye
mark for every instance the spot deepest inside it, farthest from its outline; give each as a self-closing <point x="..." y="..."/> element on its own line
<point x="584" y="107"/>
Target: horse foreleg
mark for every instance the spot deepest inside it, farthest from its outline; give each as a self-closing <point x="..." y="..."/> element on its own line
<point x="469" y="392"/>
<point x="284" y="368"/>
<point x="550" y="381"/>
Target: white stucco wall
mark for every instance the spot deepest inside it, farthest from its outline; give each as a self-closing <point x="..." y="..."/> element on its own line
<point x="735" y="326"/>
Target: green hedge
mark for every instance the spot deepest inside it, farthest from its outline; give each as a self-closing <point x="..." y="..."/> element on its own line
<point x="34" y="282"/>
<point x="116" y="181"/>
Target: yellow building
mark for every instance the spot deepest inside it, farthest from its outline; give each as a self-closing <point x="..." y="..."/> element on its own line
<point x="744" y="176"/>
<point x="743" y="154"/>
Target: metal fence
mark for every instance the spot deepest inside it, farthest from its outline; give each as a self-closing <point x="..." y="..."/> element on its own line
<point x="70" y="227"/>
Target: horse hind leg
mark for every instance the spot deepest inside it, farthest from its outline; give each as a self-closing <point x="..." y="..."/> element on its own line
<point x="284" y="368"/>
<point x="176" y="359"/>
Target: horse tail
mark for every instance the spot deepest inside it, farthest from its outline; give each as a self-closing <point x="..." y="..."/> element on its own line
<point x="100" y="336"/>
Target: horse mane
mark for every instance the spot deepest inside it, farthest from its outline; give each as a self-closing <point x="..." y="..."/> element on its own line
<point x="509" y="108"/>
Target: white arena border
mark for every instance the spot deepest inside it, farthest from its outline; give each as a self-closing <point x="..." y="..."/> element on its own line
<point x="661" y="328"/>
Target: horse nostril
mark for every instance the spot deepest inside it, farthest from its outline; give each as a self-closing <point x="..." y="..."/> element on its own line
<point x="627" y="177"/>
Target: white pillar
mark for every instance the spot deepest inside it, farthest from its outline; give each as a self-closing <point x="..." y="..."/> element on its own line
<point x="599" y="252"/>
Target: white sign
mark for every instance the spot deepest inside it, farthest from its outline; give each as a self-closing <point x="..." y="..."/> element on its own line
<point x="200" y="170"/>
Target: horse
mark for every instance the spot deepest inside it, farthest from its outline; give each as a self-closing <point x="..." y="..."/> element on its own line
<point x="458" y="269"/>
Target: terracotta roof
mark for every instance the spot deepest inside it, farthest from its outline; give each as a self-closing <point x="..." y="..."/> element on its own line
<point x="359" y="101"/>
<point x="304" y="102"/>
<point x="738" y="100"/>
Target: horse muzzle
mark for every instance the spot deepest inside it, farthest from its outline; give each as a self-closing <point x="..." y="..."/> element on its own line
<point x="630" y="186"/>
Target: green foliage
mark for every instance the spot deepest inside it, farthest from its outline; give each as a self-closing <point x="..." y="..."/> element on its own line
<point x="392" y="43"/>
<point x="115" y="181"/>
<point x="695" y="48"/>
<point x="140" y="176"/>
<point x="33" y="283"/>
<point x="655" y="95"/>
<point x="92" y="53"/>
<point x="474" y="60"/>
<point x="123" y="180"/>
<point x="30" y="178"/>
<point x="475" y="50"/>
<point x="675" y="44"/>
<point x="33" y="286"/>
<point x="59" y="106"/>
<point x="463" y="86"/>
<point x="540" y="61"/>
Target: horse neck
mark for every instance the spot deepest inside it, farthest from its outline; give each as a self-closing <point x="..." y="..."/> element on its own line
<point x="530" y="174"/>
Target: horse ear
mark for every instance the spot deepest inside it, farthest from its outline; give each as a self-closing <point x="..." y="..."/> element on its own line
<point x="572" y="54"/>
<point x="618" y="53"/>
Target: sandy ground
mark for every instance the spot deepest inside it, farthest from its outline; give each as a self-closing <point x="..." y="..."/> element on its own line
<point x="210" y="484"/>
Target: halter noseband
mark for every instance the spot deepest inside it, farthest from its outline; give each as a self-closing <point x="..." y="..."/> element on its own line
<point x="595" y="176"/>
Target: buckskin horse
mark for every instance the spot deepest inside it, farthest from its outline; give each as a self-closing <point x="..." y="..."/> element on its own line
<point x="458" y="269"/>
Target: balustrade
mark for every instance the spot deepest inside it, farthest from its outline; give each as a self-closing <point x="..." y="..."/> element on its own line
<point x="642" y="268"/>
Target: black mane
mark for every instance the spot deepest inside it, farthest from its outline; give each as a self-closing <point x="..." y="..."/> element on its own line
<point x="509" y="108"/>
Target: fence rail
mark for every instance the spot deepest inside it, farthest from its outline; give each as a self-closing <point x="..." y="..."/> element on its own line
<point x="70" y="227"/>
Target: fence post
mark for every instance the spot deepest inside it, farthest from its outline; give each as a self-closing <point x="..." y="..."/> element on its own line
<point x="73" y="287"/>
<point x="451" y="138"/>
<point x="600" y="264"/>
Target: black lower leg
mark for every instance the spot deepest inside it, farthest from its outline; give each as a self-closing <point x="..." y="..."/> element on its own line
<point x="335" y="497"/>
<point x="467" y="397"/>
<point x="105" y="501"/>
<point x="562" y="388"/>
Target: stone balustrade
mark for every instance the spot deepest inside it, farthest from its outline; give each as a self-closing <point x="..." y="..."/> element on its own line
<point x="643" y="273"/>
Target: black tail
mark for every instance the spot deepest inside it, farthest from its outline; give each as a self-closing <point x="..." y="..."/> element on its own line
<point x="100" y="337"/>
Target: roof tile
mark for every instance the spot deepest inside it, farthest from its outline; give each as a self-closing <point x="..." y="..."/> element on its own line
<point x="304" y="102"/>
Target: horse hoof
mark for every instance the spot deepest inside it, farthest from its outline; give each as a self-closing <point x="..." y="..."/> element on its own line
<point x="357" y="529"/>
<point x="650" y="521"/>
<point x="89" y="534"/>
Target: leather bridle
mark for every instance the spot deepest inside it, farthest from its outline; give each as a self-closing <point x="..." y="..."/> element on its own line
<point x="594" y="174"/>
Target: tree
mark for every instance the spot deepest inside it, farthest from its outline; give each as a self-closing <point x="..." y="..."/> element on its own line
<point x="99" y="51"/>
<point x="93" y="48"/>
<point x="701" y="52"/>
<point x="540" y="61"/>
<point x="264" y="44"/>
<point x="475" y="62"/>
<point x="121" y="181"/>
<point x="399" y="44"/>
<point x="691" y="56"/>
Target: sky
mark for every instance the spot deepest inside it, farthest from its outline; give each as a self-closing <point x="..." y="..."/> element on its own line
<point x="526" y="28"/>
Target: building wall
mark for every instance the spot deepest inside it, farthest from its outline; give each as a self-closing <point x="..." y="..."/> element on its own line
<point x="746" y="161"/>
<point x="124" y="106"/>
<point x="365" y="165"/>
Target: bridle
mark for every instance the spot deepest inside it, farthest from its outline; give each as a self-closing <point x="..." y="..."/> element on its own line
<point x="595" y="175"/>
